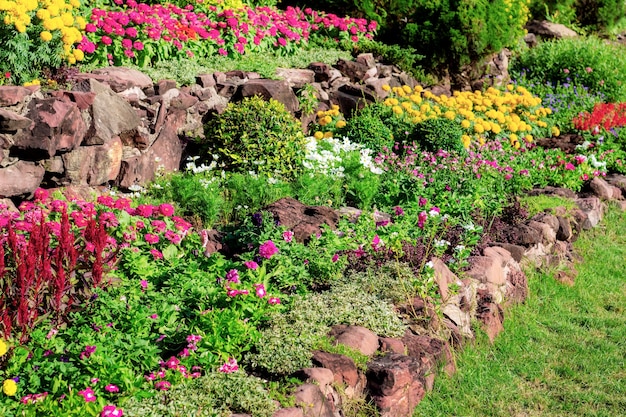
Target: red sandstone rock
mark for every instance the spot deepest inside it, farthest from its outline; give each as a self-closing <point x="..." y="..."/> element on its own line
<point x="356" y="337"/>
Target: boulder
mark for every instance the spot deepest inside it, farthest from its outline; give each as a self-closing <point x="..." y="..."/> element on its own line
<point x="443" y="277"/>
<point x="593" y="208"/>
<point x="11" y="121"/>
<point x="313" y="402"/>
<point x="490" y="314"/>
<point x="279" y="90"/>
<point x="394" y="384"/>
<point x="112" y="116"/>
<point x="601" y="188"/>
<point x="343" y="368"/>
<point x="550" y="30"/>
<point x="289" y="412"/>
<point x="94" y="165"/>
<point x="21" y="178"/>
<point x="303" y="220"/>
<point x="296" y="78"/>
<point x="356" y="337"/>
<point x="118" y="78"/>
<point x="10" y="95"/>
<point x="57" y="127"/>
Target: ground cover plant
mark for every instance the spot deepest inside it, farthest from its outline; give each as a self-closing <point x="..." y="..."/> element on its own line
<point x="114" y="307"/>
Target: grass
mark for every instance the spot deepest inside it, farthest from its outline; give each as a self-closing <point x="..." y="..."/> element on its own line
<point x="563" y="353"/>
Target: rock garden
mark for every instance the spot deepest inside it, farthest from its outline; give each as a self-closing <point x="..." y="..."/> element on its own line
<point x="226" y="208"/>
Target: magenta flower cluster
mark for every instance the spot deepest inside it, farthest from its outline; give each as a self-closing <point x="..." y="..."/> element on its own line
<point x="136" y="24"/>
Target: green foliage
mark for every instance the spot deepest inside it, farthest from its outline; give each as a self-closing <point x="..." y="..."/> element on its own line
<point x="451" y="34"/>
<point x="439" y="133"/>
<point x="246" y="194"/>
<point x="588" y="62"/>
<point x="214" y="395"/>
<point x="392" y="282"/>
<point x="257" y="136"/>
<point x="287" y="344"/>
<point x="540" y="203"/>
<point x="377" y="127"/>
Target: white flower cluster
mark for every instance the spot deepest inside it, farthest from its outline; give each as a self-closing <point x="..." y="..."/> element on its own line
<point x="595" y="163"/>
<point x="191" y="165"/>
<point x="326" y="155"/>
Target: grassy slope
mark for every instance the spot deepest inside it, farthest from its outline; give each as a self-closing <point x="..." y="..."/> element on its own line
<point x="563" y="353"/>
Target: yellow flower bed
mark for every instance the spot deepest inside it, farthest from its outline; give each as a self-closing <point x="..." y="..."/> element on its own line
<point x="513" y="115"/>
<point x="48" y="17"/>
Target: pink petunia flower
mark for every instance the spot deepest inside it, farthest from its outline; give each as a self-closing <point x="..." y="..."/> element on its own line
<point x="112" y="388"/>
<point x="111" y="411"/>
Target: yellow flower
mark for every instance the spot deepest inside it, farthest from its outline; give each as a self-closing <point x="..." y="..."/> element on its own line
<point x="75" y="3"/>
<point x="45" y="36"/>
<point x="406" y="89"/>
<point x="386" y="87"/>
<point x="20" y="27"/>
<point x="478" y="128"/>
<point x="529" y="138"/>
<point x="327" y="119"/>
<point x="3" y="347"/>
<point x="79" y="55"/>
<point x="318" y="135"/>
<point x="68" y="19"/>
<point x="449" y="115"/>
<point x="334" y="107"/>
<point x="328" y="134"/>
<point x="340" y="124"/>
<point x="555" y="131"/>
<point x="465" y="124"/>
<point x="9" y="387"/>
<point x="397" y="110"/>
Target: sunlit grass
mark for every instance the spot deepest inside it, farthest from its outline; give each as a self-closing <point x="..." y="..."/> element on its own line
<point x="562" y="353"/>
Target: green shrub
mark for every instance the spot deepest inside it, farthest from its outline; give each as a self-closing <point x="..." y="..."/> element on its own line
<point x="214" y="395"/>
<point x="377" y="127"/>
<point x="257" y="136"/>
<point x="586" y="61"/>
<point x="286" y="346"/>
<point x="247" y="194"/>
<point x="439" y="133"/>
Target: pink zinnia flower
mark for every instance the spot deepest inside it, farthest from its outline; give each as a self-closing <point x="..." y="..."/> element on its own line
<point x="335" y="257"/>
<point x="166" y="210"/>
<point x="268" y="249"/>
<point x="106" y="40"/>
<point x="150" y="238"/>
<point x="156" y="254"/>
<point x="88" y="394"/>
<point x="570" y="167"/>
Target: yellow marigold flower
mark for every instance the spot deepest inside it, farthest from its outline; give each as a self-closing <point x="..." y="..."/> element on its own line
<point x="327" y="119"/>
<point x="328" y="134"/>
<point x="3" y="347"/>
<point x="478" y="128"/>
<point x="418" y="89"/>
<point x="517" y="145"/>
<point x="386" y="87"/>
<point x="75" y="3"/>
<point x="80" y="22"/>
<point x="20" y="27"/>
<point x="53" y="10"/>
<point x="407" y="89"/>
<point x="45" y="36"/>
<point x="318" y="135"/>
<point x="465" y="124"/>
<point x="68" y="19"/>
<point x="334" y="107"/>
<point x="340" y="124"/>
<point x="495" y="128"/>
<point x="49" y="24"/>
<point x="397" y="110"/>
<point x="9" y="387"/>
<point x="555" y="131"/>
<point x="79" y="55"/>
<point x="43" y="14"/>
<point x="415" y="98"/>
<point x="394" y="101"/>
<point x="481" y="140"/>
<point x="528" y="138"/>
<point x="449" y="115"/>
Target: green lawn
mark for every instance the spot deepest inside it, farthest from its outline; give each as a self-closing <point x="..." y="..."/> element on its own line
<point x="563" y="353"/>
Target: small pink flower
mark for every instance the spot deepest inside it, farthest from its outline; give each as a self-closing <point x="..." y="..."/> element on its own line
<point x="565" y="70"/>
<point x="151" y="238"/>
<point x="172" y="363"/>
<point x="162" y="385"/>
<point x="335" y="258"/>
<point x="570" y="167"/>
<point x="398" y="210"/>
<point x="166" y="210"/>
<point x="94" y="380"/>
<point x="111" y="411"/>
<point x="233" y="276"/>
<point x="251" y="265"/>
<point x="589" y="69"/>
<point x="268" y="249"/>
<point x="88" y="394"/>
<point x="106" y="40"/>
<point x="112" y="388"/>
<point x="260" y="290"/>
<point x="144" y="284"/>
<point x="230" y="366"/>
<point x="154" y="316"/>
<point x="156" y="254"/>
<point x="273" y="300"/>
<point x="288" y="236"/>
<point x="584" y="177"/>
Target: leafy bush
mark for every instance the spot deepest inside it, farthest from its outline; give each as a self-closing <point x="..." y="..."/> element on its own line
<point x="589" y="62"/>
<point x="439" y="133"/>
<point x="213" y="395"/>
<point x="286" y="346"/>
<point x="593" y="14"/>
<point x="377" y="127"/>
<point x="257" y="136"/>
